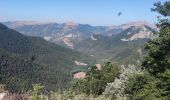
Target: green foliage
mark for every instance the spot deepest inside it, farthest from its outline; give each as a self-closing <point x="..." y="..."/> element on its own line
<point x="79" y="85"/>
<point x="147" y="87"/>
<point x="144" y="87"/>
<point x="70" y="95"/>
<point x="18" y="73"/>
<point x="165" y="83"/>
<point x="96" y="80"/>
<point x="156" y="84"/>
<point x="28" y="60"/>
<point x="36" y="93"/>
<point x="162" y="9"/>
<point x="157" y="60"/>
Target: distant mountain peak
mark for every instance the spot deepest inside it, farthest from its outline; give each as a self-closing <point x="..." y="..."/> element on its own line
<point x="15" y="24"/>
<point x="140" y="31"/>
<point x="138" y="24"/>
<point x="70" y="23"/>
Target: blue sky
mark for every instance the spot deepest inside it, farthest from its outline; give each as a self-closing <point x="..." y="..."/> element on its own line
<point x="94" y="12"/>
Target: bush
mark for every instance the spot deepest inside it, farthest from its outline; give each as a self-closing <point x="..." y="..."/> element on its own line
<point x="96" y="80"/>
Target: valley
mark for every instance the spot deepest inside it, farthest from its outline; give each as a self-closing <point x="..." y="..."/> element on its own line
<point x="84" y="50"/>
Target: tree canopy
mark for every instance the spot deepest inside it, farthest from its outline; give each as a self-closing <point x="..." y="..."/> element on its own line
<point x="154" y="84"/>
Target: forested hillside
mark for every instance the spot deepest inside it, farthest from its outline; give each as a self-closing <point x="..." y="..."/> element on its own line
<point x="34" y="60"/>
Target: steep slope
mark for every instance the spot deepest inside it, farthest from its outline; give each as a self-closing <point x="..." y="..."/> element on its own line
<point x="56" y="61"/>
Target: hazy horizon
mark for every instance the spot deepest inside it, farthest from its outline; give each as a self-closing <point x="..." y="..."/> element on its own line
<point x="96" y="13"/>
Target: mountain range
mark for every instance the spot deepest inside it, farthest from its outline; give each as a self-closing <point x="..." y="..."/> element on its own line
<point x="69" y="33"/>
<point x="100" y="42"/>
